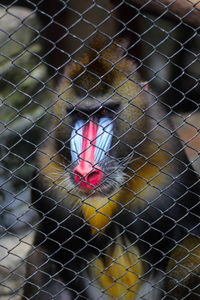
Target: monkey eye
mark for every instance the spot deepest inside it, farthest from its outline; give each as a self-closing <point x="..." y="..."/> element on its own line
<point x="80" y="114"/>
<point x="103" y="112"/>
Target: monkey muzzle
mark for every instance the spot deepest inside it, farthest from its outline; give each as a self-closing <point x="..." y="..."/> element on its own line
<point x="87" y="176"/>
<point x="90" y="142"/>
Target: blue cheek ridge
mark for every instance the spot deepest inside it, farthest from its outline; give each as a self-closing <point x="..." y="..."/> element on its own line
<point x="76" y="140"/>
<point x="104" y="138"/>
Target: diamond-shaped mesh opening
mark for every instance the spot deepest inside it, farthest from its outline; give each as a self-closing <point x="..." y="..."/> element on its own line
<point x="99" y="146"/>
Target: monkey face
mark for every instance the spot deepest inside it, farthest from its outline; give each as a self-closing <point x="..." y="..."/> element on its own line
<point x="99" y="144"/>
<point x="93" y="169"/>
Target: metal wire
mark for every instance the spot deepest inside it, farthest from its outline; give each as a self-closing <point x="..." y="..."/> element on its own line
<point x="125" y="253"/>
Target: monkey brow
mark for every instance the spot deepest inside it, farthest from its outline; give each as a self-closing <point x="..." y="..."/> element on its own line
<point x="92" y="108"/>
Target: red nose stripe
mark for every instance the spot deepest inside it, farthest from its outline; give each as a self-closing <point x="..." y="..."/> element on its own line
<point x="88" y="145"/>
<point x="85" y="173"/>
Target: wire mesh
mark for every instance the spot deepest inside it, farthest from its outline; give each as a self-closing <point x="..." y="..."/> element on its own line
<point x="99" y="146"/>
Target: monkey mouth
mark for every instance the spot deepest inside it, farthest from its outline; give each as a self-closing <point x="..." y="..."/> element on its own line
<point x="104" y="189"/>
<point x="87" y="192"/>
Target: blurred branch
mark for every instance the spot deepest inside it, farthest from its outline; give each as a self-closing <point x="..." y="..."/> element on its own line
<point x="188" y="10"/>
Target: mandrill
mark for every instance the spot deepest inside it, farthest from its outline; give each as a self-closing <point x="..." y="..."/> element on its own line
<point x="117" y="198"/>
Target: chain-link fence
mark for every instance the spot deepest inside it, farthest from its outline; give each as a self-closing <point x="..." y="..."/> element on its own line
<point x="99" y="145"/>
